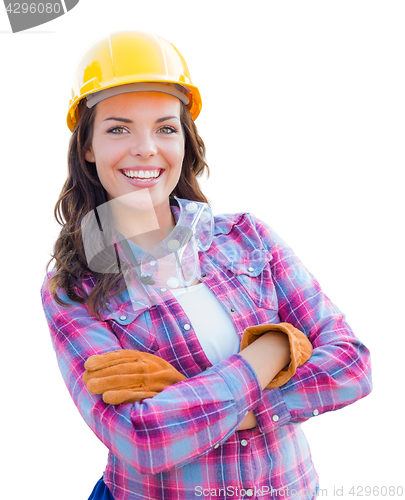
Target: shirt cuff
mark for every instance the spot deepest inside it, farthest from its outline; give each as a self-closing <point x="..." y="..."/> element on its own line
<point x="242" y="381"/>
<point x="272" y="411"/>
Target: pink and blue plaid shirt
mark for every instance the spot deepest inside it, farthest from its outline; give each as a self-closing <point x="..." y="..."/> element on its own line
<point x="183" y="443"/>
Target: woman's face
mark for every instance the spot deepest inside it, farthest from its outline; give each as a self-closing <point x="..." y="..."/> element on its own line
<point x="138" y="143"/>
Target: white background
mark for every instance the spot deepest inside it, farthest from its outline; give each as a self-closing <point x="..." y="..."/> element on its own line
<point x="304" y="120"/>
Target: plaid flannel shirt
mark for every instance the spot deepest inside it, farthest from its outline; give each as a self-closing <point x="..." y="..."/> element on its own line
<point x="183" y="443"/>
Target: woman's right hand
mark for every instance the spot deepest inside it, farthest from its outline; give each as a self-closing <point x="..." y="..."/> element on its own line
<point x="126" y="376"/>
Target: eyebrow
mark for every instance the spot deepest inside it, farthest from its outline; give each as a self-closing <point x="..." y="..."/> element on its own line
<point x="126" y="120"/>
<point x="159" y="120"/>
<point x="117" y="119"/>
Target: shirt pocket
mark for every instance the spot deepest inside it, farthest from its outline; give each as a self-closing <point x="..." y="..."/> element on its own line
<point x="132" y="326"/>
<point x="254" y="274"/>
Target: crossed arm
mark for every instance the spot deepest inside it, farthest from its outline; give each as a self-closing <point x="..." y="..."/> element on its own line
<point x="129" y="376"/>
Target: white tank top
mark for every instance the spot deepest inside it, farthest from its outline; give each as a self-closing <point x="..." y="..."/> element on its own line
<point x="212" y="324"/>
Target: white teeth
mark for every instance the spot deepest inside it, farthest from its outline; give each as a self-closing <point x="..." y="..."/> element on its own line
<point x="140" y="174"/>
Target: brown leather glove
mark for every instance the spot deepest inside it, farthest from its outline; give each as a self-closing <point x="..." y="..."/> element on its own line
<point x="126" y="376"/>
<point x="300" y="348"/>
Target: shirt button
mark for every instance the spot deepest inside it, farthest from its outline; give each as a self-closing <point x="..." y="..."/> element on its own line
<point x="163" y="289"/>
<point x="251" y="269"/>
<point x="249" y="492"/>
<point x="275" y="418"/>
<point x="232" y="310"/>
<point x="123" y="318"/>
<point x="244" y="442"/>
<point x="187" y="327"/>
<point x="315" y="412"/>
<point x="216" y="446"/>
<point x="203" y="275"/>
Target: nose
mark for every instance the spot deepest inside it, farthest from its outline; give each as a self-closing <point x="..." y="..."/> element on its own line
<point x="143" y="146"/>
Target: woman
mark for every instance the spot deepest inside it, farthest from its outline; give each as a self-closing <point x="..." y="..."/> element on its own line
<point x="193" y="346"/>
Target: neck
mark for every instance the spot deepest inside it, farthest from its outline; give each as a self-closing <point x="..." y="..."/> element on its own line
<point x="143" y="223"/>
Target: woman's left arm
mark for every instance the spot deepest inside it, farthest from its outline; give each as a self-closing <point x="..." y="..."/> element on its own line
<point x="339" y="371"/>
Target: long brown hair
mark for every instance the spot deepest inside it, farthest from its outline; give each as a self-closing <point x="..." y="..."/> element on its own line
<point x="83" y="192"/>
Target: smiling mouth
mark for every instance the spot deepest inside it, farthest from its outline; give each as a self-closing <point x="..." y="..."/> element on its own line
<point x="142" y="175"/>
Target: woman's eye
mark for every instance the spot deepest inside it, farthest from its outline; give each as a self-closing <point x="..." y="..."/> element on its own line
<point x="168" y="130"/>
<point x="117" y="130"/>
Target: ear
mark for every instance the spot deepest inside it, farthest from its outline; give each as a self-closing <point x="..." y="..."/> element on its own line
<point x="89" y="156"/>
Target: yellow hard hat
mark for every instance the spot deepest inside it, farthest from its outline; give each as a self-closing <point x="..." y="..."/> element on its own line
<point x="130" y="57"/>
